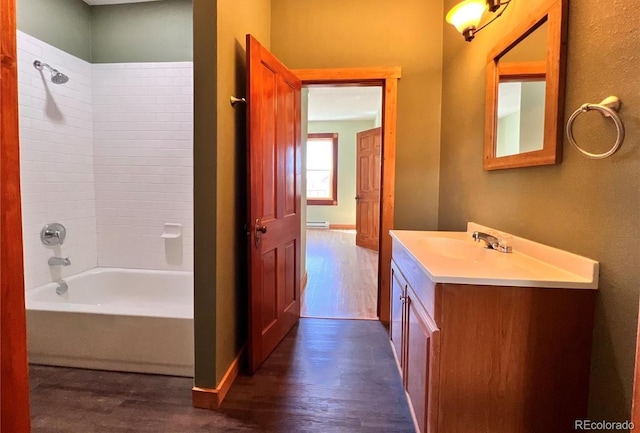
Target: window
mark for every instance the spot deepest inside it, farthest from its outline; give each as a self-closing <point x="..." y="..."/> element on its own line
<point x="322" y="169"/>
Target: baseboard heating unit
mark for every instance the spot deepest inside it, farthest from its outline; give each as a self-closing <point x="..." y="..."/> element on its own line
<point x="317" y="224"/>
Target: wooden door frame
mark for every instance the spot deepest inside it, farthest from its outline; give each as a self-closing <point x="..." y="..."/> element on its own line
<point x="387" y="78"/>
<point x="14" y="404"/>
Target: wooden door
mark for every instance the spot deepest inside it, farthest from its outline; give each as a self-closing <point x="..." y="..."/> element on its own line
<point x="368" y="188"/>
<point x="274" y="171"/>
<point x="14" y="392"/>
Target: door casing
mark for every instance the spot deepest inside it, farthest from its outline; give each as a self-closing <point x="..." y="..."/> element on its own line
<point x="387" y="78"/>
<point x="14" y="400"/>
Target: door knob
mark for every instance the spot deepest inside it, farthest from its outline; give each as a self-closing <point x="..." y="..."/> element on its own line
<point x="260" y="227"/>
<point x="357" y="197"/>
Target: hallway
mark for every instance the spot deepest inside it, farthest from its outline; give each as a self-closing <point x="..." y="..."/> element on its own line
<point x="342" y="277"/>
<point x="325" y="376"/>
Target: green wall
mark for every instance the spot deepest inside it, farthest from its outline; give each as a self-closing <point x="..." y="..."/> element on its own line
<point x="588" y="207"/>
<point x="158" y="31"/>
<point x="219" y="173"/>
<point x="354" y="33"/>
<point x="236" y="18"/>
<point x="204" y="196"/>
<point x="65" y="24"/>
<point x="345" y="211"/>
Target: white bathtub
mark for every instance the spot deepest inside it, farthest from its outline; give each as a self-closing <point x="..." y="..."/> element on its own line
<point x="114" y="319"/>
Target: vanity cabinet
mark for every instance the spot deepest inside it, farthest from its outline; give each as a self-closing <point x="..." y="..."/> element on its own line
<point x="398" y="296"/>
<point x="414" y="337"/>
<point x="489" y="358"/>
<point x="421" y="339"/>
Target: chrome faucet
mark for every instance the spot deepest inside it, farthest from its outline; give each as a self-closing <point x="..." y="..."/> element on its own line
<point x="62" y="287"/>
<point x="491" y="242"/>
<point x="59" y="261"/>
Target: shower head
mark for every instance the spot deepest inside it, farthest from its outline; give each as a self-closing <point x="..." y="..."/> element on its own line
<point x="56" y="76"/>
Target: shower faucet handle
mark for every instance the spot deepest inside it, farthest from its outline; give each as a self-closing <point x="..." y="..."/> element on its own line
<point x="53" y="234"/>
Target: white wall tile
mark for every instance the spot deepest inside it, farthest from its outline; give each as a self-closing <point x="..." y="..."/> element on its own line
<point x="109" y="155"/>
<point x="56" y="158"/>
<point x="143" y="161"/>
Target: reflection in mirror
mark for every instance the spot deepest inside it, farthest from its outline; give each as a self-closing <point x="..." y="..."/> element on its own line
<point x="521" y="96"/>
<point x="524" y="99"/>
<point x="520" y="126"/>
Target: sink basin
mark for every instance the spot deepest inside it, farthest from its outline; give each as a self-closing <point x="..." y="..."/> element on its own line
<point x="453" y="257"/>
<point x="454" y="248"/>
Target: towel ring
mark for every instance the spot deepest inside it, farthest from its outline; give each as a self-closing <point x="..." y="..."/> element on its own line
<point x="608" y="108"/>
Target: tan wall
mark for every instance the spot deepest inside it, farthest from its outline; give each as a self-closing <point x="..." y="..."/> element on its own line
<point x="587" y="207"/>
<point x="408" y="33"/>
<point x="235" y="20"/>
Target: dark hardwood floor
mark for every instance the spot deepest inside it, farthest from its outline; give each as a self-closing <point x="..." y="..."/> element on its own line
<point x="325" y="376"/>
<point x="342" y="277"/>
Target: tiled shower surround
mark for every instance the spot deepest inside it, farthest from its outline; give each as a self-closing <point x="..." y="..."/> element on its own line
<point x="143" y="163"/>
<point x="109" y="155"/>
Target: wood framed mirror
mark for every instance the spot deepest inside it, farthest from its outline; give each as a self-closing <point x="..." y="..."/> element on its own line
<point x="525" y="92"/>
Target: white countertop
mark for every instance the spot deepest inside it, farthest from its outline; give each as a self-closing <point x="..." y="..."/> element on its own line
<point x="453" y="257"/>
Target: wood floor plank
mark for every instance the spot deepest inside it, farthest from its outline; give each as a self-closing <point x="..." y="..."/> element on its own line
<point x="325" y="376"/>
<point x="342" y="277"/>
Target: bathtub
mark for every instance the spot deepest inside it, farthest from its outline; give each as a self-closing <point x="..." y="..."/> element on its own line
<point x="114" y="319"/>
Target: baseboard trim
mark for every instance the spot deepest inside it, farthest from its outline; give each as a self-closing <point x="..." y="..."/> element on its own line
<point x="342" y="226"/>
<point x="304" y="280"/>
<point x="211" y="398"/>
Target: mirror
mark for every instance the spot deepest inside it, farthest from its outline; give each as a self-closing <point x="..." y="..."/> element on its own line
<point x="525" y="83"/>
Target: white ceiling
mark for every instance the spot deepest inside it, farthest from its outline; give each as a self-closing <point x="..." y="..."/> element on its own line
<point x="114" y="2"/>
<point x="344" y="103"/>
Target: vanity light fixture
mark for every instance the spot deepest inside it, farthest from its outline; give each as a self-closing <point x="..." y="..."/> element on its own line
<point x="466" y="15"/>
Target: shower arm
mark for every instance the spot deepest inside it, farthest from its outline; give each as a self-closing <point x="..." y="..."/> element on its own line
<point x="39" y="65"/>
<point x="56" y="76"/>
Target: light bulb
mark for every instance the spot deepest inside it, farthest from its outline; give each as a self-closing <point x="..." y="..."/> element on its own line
<point x="466" y="16"/>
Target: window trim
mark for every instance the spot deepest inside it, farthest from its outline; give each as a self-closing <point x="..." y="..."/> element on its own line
<point x="334" y="187"/>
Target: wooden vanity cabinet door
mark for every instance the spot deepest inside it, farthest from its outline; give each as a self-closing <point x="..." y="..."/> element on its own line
<point x="422" y="363"/>
<point x="398" y="293"/>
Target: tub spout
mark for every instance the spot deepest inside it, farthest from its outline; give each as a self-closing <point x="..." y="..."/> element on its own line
<point x="62" y="288"/>
<point x="59" y="261"/>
